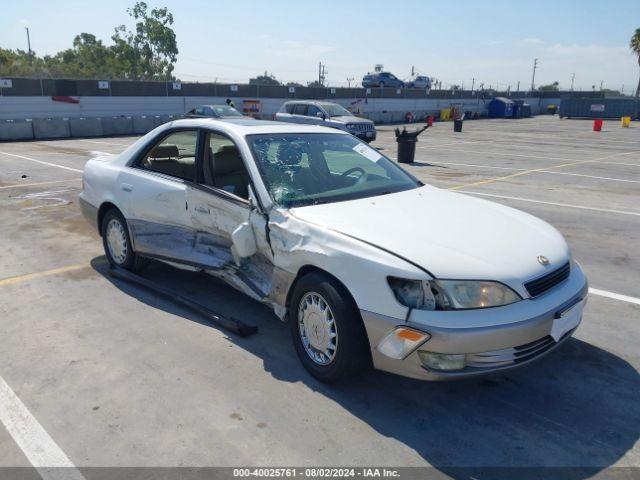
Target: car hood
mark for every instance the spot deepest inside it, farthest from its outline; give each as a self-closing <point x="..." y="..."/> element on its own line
<point x="350" y="119"/>
<point x="451" y="235"/>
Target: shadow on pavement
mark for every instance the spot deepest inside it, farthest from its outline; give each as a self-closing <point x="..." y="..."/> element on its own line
<point x="577" y="407"/>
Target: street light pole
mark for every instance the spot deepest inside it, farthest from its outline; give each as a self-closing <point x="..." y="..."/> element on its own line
<point x="573" y="77"/>
<point x="29" y="46"/>
<point x="533" y="77"/>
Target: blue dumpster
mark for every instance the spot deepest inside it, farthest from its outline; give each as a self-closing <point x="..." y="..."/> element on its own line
<point x="501" y="107"/>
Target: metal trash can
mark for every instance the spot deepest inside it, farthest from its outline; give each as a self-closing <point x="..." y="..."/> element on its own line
<point x="407" y="144"/>
<point x="457" y="125"/>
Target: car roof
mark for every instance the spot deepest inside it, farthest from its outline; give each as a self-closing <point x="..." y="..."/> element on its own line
<point x="247" y="126"/>
<point x="314" y="102"/>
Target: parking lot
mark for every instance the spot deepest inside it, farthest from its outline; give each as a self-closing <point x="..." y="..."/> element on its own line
<point x="112" y="375"/>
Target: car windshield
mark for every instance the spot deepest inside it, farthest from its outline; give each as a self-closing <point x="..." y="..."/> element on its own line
<point x="226" y="111"/>
<point x="308" y="169"/>
<point x="334" y="110"/>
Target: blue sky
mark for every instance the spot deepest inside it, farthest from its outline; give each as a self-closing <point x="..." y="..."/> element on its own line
<point x="493" y="41"/>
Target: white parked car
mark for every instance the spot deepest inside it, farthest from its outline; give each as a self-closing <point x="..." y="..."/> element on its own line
<point x="367" y="264"/>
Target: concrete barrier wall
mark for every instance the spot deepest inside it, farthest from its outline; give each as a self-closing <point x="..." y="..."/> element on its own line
<point x="86" y="127"/>
<point x="16" y="130"/>
<point x="51" y="128"/>
<point x="44" y="107"/>
<point x="139" y="115"/>
<point x="112" y="126"/>
<point x="144" y="124"/>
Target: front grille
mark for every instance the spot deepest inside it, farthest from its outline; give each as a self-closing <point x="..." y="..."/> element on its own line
<point x="510" y="356"/>
<point x="547" y="282"/>
<point x="362" y="127"/>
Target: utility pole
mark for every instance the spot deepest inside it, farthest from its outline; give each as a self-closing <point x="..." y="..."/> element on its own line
<point x="518" y="87"/>
<point x="473" y="82"/>
<point x="29" y="46"/>
<point x="322" y="73"/>
<point x="573" y="77"/>
<point x="533" y="77"/>
<point x="601" y="85"/>
<point x="350" y="79"/>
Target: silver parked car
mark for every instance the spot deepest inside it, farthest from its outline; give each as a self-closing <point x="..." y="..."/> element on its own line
<point x="327" y="114"/>
<point x="419" y="81"/>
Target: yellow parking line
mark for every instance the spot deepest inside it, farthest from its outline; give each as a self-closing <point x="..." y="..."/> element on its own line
<point x="18" y="185"/>
<point x="542" y="169"/>
<point x="45" y="273"/>
<point x="518" y="174"/>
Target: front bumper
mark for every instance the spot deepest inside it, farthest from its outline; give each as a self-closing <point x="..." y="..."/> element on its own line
<point x="491" y="339"/>
<point x="368" y="136"/>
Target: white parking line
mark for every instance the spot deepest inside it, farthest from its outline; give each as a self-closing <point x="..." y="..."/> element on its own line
<point x="41" y="161"/>
<point x="104" y="143"/>
<point x="568" y="205"/>
<point x="20" y="185"/>
<point x="34" y="441"/>
<point x="615" y="296"/>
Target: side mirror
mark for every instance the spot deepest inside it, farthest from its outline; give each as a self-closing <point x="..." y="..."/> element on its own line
<point x="321" y="115"/>
<point x="244" y="242"/>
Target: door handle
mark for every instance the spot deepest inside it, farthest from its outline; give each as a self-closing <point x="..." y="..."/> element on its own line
<point x="126" y="187"/>
<point x="203" y="210"/>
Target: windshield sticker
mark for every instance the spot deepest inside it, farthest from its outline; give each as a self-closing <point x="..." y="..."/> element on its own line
<point x="368" y="152"/>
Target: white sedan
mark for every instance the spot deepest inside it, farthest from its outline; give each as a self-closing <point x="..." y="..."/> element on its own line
<point x="367" y="264"/>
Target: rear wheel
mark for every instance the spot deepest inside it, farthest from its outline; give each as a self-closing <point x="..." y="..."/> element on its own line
<point x="327" y="329"/>
<point x="117" y="243"/>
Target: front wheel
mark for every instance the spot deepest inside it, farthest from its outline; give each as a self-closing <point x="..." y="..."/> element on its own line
<point x="327" y="329"/>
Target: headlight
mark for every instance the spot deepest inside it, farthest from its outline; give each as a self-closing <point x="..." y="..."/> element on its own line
<point x="451" y="294"/>
<point x="351" y="126"/>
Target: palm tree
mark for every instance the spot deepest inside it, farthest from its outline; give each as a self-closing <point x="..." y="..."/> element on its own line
<point x="634" y="44"/>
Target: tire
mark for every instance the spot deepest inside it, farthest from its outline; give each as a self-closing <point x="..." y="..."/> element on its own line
<point x="350" y="354"/>
<point x="119" y="251"/>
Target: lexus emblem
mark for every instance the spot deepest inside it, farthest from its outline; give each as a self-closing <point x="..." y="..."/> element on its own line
<point x="543" y="260"/>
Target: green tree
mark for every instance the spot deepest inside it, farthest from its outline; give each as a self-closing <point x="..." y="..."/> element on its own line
<point x="148" y="53"/>
<point x="265" y="79"/>
<point x="151" y="51"/>
<point x="552" y="87"/>
<point x="634" y="44"/>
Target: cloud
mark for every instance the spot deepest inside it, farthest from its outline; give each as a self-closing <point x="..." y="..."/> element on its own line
<point x="532" y="41"/>
<point x="592" y="51"/>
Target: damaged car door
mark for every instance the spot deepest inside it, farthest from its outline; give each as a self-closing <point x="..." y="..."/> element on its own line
<point x="229" y="230"/>
<point x="153" y="194"/>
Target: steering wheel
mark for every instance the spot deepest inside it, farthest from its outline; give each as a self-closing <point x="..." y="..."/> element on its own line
<point x="363" y="174"/>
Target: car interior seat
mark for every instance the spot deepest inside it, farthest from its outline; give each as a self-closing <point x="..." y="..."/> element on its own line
<point x="226" y="171"/>
<point x="166" y="159"/>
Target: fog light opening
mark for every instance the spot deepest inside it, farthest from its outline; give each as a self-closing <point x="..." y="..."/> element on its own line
<point x="444" y="362"/>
